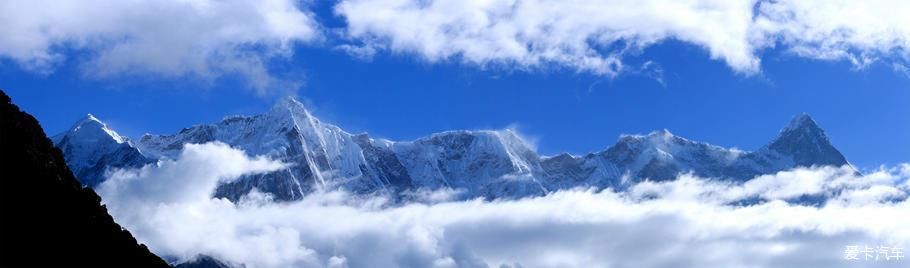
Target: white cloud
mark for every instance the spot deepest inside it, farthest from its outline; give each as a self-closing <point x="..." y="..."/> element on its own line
<point x="534" y="33"/>
<point x="687" y="222"/>
<point x="858" y="31"/>
<point x="207" y="39"/>
<point x="364" y="53"/>
<point x="594" y="36"/>
<point x="202" y="39"/>
<point x="901" y="69"/>
<point x="156" y="181"/>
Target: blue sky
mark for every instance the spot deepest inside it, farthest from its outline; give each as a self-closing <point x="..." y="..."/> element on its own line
<point x="406" y="92"/>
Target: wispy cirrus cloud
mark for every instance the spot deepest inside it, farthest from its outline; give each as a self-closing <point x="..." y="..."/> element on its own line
<point x="199" y="39"/>
<point x="690" y="221"/>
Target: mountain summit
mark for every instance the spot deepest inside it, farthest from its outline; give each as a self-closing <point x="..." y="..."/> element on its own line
<point x="90" y="146"/>
<point x="91" y="128"/>
<point x="486" y="163"/>
<point x="806" y="143"/>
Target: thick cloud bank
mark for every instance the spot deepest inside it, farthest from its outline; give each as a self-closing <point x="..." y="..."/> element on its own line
<point x="689" y="222"/>
<point x="593" y="36"/>
<point x="208" y="39"/>
<point x="174" y="38"/>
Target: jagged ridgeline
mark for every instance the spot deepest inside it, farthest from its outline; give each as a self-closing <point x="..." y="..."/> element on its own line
<point x="47" y="219"/>
<point x="491" y="164"/>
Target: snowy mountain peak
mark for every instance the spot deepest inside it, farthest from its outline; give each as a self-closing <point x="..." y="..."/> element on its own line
<point x="90" y="146"/>
<point x="289" y="104"/>
<point x="505" y="138"/>
<point x="663" y="136"/>
<point x="802" y="128"/>
<point x="801" y="122"/>
<point x="90" y="117"/>
<point x="289" y="110"/>
<point x="90" y="127"/>
<point x="657" y="138"/>
<point x="806" y="143"/>
<point x="665" y="133"/>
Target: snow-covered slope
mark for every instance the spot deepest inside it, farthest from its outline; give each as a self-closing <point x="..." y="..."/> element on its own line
<point x="802" y="143"/>
<point x="90" y="148"/>
<point x="659" y="155"/>
<point x="323" y="155"/>
<point x="490" y="164"/>
<point x="484" y="163"/>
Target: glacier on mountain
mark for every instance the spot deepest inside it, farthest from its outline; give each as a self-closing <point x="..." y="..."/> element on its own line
<point x="485" y="163"/>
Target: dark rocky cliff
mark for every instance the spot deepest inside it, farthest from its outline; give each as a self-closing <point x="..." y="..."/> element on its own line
<point x="47" y="218"/>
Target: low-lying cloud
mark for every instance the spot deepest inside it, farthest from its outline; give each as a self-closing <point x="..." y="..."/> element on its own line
<point x="688" y="222"/>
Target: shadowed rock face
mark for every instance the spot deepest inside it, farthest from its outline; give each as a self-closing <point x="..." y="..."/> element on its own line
<point x="47" y="218"/>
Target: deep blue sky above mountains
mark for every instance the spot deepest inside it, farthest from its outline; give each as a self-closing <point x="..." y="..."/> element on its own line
<point x="693" y="87"/>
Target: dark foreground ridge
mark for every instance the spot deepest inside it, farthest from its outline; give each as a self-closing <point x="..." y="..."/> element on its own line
<point x="47" y="218"/>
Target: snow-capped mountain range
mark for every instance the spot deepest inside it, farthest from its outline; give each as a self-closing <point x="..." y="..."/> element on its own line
<point x="486" y="163"/>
